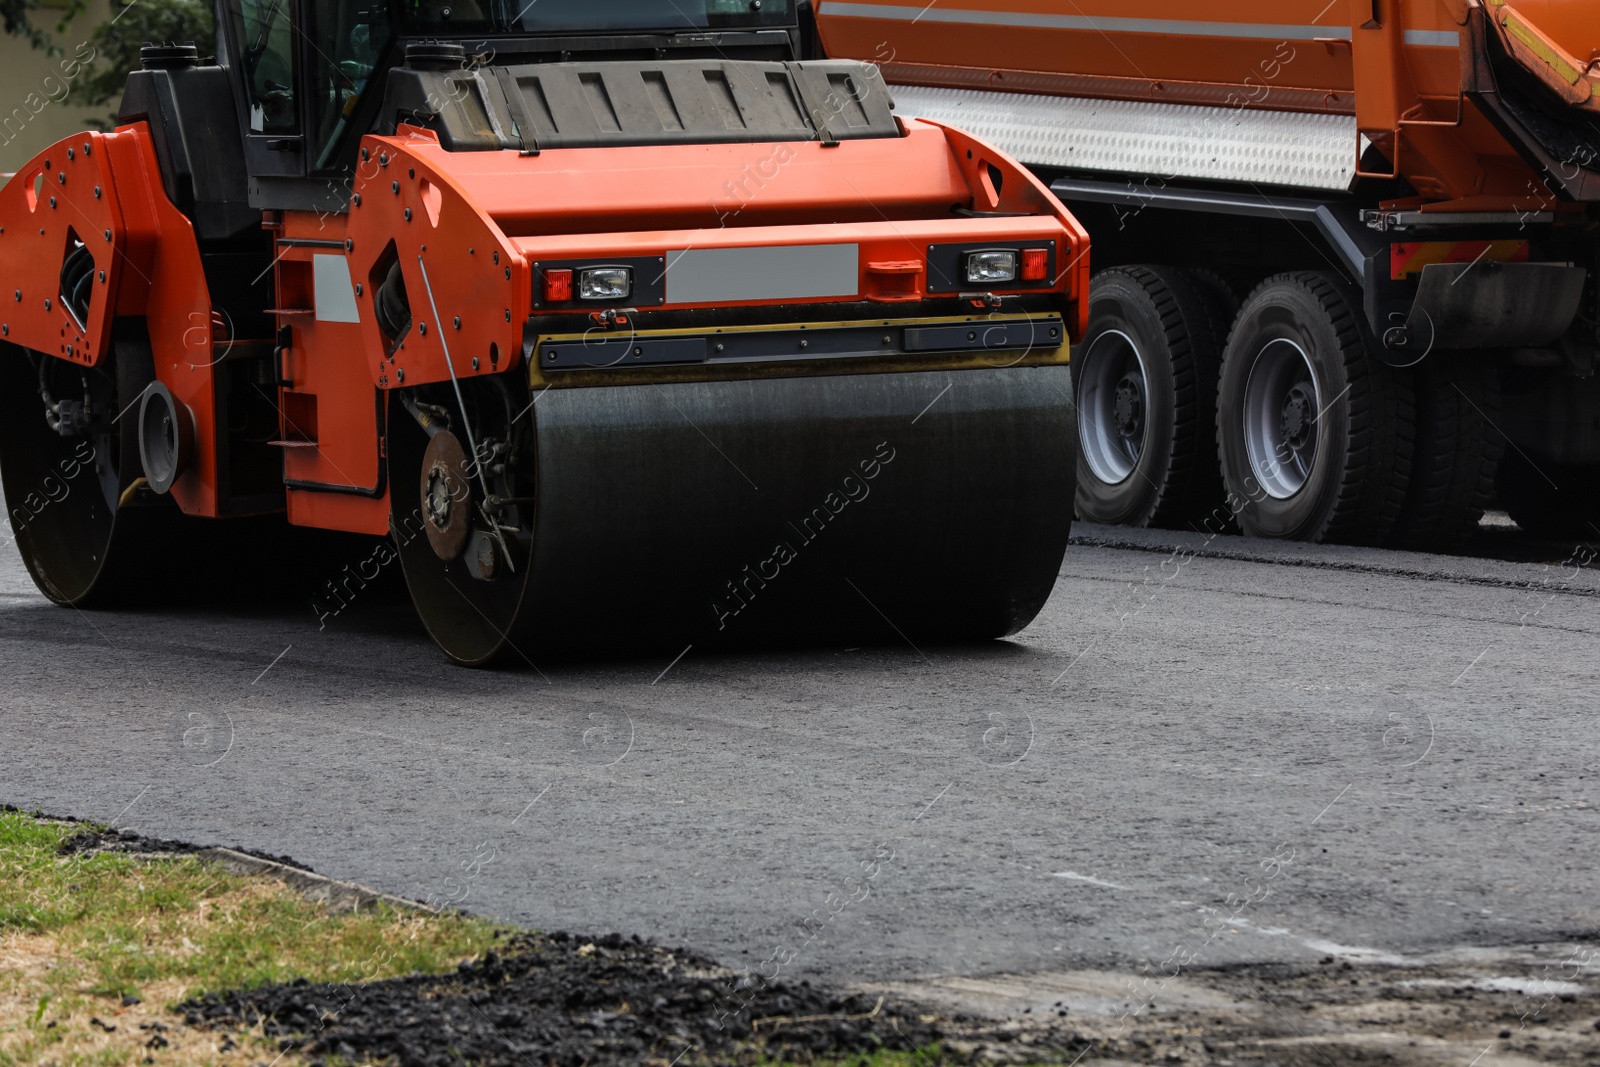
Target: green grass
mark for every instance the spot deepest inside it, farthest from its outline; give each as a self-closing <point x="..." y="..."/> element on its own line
<point x="132" y="921"/>
<point x="78" y="933"/>
<point x="928" y="1056"/>
<point x="931" y="1056"/>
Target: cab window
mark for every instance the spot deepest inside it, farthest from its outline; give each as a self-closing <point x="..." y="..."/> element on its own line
<point x="347" y="40"/>
<point x="265" y="32"/>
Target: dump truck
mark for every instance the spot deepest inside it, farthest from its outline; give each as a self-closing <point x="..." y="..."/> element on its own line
<point x="1345" y="250"/>
<point x="629" y="325"/>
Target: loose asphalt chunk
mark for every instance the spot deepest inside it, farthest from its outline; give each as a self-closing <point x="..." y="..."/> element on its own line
<point x="562" y="1000"/>
<point x="91" y="840"/>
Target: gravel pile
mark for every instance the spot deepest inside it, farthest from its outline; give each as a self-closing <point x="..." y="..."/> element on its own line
<point x="566" y="1001"/>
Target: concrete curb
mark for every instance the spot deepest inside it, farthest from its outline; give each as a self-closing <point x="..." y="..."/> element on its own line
<point x="337" y="896"/>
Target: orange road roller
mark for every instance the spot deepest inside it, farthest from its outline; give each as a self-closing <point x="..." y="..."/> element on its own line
<point x="632" y="326"/>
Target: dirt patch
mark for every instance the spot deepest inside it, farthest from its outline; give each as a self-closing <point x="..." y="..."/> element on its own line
<point x="1492" y="1008"/>
<point x="561" y="1000"/>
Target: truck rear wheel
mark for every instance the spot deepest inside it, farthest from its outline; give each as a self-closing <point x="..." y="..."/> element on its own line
<point x="1458" y="450"/>
<point x="1146" y="382"/>
<point x="1314" y="433"/>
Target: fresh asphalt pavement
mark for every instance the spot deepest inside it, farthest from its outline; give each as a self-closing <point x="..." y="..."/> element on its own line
<point x="1238" y="750"/>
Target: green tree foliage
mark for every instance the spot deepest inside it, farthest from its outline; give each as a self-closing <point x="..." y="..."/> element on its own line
<point x="117" y="42"/>
<point x="15" y="20"/>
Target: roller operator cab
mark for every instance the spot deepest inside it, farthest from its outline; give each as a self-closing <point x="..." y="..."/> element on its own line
<point x="629" y="324"/>
<point x="1347" y="251"/>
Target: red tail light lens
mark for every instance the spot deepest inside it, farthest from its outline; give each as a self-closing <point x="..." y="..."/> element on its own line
<point x="557" y="286"/>
<point x="1035" y="264"/>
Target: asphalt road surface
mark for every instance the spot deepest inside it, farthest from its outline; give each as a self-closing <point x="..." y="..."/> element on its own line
<point x="1206" y="751"/>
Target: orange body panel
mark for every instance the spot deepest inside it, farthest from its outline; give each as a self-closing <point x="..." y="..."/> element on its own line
<point x="409" y="203"/>
<point x="479" y="221"/>
<point x="57" y="197"/>
<point x="1554" y="41"/>
<point x="1398" y="65"/>
<point x="884" y="245"/>
<point x="1172" y="50"/>
<point x="331" y="415"/>
<point x="1569" y="24"/>
<point x="610" y="190"/>
<point x="145" y="248"/>
<point x="172" y="295"/>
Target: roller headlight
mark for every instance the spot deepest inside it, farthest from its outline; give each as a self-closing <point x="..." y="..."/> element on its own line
<point x="605" y="283"/>
<point x="987" y="268"/>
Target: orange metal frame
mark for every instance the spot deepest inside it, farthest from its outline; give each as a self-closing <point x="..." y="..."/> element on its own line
<point x="105" y="190"/>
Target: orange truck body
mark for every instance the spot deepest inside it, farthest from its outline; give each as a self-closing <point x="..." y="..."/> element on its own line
<point x="1436" y="161"/>
<point x="1402" y="68"/>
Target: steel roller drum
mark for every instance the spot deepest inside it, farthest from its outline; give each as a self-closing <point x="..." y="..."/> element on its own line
<point x="852" y="508"/>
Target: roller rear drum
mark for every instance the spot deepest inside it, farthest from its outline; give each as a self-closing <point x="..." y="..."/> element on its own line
<point x="67" y="459"/>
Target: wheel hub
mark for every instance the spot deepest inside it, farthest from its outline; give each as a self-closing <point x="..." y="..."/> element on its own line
<point x="437" y="499"/>
<point x="1280" y="413"/>
<point x="1111" y="406"/>
<point x="446" y="495"/>
<point x="1298" y="416"/>
<point x="1127" y="409"/>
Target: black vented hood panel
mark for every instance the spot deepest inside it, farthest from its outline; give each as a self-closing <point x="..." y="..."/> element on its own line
<point x="593" y="105"/>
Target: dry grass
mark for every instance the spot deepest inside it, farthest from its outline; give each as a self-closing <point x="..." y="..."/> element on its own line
<point x="80" y="934"/>
<point x="73" y="1028"/>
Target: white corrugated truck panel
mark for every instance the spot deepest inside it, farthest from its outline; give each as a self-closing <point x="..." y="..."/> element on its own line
<point x="1158" y="140"/>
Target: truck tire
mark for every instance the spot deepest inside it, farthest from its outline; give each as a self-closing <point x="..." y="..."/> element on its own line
<point x="1457" y="452"/>
<point x="1146" y="377"/>
<point x="1550" y="499"/>
<point x="1314" y="433"/>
